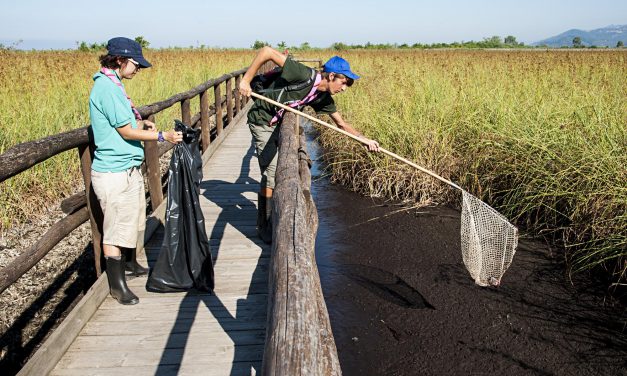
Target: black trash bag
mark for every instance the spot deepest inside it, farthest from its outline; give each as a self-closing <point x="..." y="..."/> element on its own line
<point x="185" y="258"/>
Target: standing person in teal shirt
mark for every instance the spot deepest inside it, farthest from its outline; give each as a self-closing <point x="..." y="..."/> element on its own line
<point x="115" y="174"/>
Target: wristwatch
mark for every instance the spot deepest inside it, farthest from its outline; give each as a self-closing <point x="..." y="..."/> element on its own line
<point x="160" y="137"/>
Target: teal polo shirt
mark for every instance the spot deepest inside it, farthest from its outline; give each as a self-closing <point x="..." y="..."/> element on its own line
<point x="110" y="109"/>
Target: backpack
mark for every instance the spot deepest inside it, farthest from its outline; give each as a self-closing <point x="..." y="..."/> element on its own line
<point x="261" y="83"/>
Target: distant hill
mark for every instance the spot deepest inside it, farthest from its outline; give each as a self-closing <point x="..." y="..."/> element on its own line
<point x="606" y="36"/>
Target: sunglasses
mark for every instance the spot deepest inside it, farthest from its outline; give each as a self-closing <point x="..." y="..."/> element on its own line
<point x="137" y="67"/>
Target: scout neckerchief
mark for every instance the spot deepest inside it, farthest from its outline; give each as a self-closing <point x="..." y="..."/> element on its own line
<point x="298" y="103"/>
<point x="111" y="74"/>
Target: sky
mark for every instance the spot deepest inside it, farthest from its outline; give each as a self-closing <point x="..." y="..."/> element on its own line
<point x="60" y="24"/>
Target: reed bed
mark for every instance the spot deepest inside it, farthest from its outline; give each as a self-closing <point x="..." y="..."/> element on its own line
<point x="539" y="135"/>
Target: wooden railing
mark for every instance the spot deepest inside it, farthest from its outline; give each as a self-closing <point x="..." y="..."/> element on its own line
<point x="83" y="206"/>
<point x="299" y="340"/>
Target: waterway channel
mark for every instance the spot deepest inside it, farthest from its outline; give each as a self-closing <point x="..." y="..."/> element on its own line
<point x="401" y="302"/>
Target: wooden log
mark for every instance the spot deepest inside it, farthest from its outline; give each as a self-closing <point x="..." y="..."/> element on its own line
<point x="73" y="203"/>
<point x="218" y="107"/>
<point x="204" y="120"/>
<point x="238" y="97"/>
<point x="25" y="155"/>
<point x="93" y="206"/>
<point x="229" y="101"/>
<point x="298" y="336"/>
<point x="153" y="170"/>
<point x="186" y="115"/>
<point x="37" y="251"/>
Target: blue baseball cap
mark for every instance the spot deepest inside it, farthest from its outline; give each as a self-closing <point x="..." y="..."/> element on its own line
<point x="125" y="47"/>
<point x="338" y="65"/>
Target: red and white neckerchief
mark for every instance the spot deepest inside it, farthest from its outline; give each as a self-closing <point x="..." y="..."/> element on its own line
<point x="111" y="74"/>
<point x="298" y="103"/>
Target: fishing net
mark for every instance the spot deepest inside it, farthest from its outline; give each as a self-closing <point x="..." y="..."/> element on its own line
<point x="488" y="241"/>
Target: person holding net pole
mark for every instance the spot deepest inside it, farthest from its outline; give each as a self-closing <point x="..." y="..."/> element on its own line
<point x="488" y="239"/>
<point x="295" y="85"/>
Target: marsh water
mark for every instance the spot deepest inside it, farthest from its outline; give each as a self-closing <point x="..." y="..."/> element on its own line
<point x="401" y="302"/>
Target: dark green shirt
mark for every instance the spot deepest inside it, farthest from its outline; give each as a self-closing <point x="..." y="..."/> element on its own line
<point x="261" y="113"/>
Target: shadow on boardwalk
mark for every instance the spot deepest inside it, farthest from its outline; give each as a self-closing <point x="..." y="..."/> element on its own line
<point x="244" y="328"/>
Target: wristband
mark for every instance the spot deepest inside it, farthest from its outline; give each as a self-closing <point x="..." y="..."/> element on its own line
<point x="160" y="137"/>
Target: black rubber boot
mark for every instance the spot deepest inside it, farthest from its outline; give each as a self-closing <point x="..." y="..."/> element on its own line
<point x="264" y="219"/>
<point x="132" y="267"/>
<point x="117" y="282"/>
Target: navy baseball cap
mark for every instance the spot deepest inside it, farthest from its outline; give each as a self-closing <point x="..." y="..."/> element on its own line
<point x="125" y="47"/>
<point x="338" y="65"/>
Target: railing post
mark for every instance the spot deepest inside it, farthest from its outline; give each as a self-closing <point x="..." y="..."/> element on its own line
<point x="218" y="104"/>
<point x="229" y="101"/>
<point x="151" y="151"/>
<point x="204" y="120"/>
<point x="95" y="212"/>
<point x="186" y="113"/>
<point x="238" y="99"/>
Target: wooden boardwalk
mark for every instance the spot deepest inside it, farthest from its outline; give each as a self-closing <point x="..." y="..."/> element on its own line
<point x="193" y="333"/>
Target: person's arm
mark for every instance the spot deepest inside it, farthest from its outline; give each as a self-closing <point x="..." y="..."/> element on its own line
<point x="129" y="133"/>
<point x="372" y="145"/>
<point x="264" y="55"/>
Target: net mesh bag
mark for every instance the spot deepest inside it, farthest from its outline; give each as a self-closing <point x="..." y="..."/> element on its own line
<point x="488" y="241"/>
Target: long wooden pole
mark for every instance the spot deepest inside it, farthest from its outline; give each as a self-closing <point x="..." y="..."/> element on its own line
<point x="385" y="151"/>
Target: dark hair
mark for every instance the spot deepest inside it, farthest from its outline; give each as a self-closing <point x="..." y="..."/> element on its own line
<point x="111" y="61"/>
<point x="349" y="81"/>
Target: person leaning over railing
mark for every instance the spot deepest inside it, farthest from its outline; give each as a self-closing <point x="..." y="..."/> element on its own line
<point x="115" y="174"/>
<point x="263" y="118"/>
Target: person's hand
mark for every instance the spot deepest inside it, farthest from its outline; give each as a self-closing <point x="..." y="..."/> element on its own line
<point x="244" y="88"/>
<point x="372" y="145"/>
<point x="173" y="136"/>
<point x="148" y="125"/>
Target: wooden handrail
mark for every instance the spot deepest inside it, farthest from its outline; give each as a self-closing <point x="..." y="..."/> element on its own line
<point x="25" y="155"/>
<point x="299" y="340"/>
<point x="37" y="251"/>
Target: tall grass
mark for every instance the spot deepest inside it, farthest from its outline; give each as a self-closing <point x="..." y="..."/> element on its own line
<point x="44" y="93"/>
<point x="541" y="136"/>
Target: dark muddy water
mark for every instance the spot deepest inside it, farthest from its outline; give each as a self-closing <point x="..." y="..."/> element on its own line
<point x="401" y="302"/>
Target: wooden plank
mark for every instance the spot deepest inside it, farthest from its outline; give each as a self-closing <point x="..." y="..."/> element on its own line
<point x="208" y="355"/>
<point x="47" y="356"/>
<point x="168" y="340"/>
<point x="237" y="368"/>
<point x="217" y="142"/>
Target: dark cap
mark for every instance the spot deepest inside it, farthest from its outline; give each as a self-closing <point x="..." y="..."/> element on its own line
<point x="125" y="47"/>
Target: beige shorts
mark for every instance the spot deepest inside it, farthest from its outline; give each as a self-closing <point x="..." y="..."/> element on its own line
<point x="266" y="140"/>
<point x="123" y="202"/>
